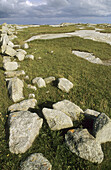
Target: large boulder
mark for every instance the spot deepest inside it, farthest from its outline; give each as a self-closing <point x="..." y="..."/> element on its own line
<point x="10" y="66"/>
<point x="102" y="128"/>
<point x="84" y="145"/>
<point x="24" y="127"/>
<point x="14" y="73"/>
<point x="68" y="108"/>
<point x="56" y="119"/>
<point x="23" y="105"/>
<point x="64" y="84"/>
<point x="36" y="161"/>
<point x="10" y="51"/>
<point x="39" y="81"/>
<point x="15" y="89"/>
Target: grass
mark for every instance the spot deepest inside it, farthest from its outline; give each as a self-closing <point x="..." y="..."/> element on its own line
<point x="91" y="90"/>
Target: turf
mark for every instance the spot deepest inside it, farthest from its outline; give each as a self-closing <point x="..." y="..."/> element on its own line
<point x="92" y="89"/>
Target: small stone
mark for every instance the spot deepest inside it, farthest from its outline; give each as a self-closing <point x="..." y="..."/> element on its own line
<point x="24" y="127"/>
<point x="102" y="128"/>
<point x="9" y="66"/>
<point x="68" y="108"/>
<point x="49" y="79"/>
<point x="23" y="105"/>
<point x="36" y="161"/>
<point x="39" y="81"/>
<point x="65" y="85"/>
<point x="25" y="46"/>
<point x="26" y="77"/>
<point x="10" y="51"/>
<point x="84" y="145"/>
<point x="31" y="95"/>
<point x="29" y="57"/>
<point x="14" y="73"/>
<point x="56" y="119"/>
<point x="15" y="89"/>
<point x="90" y="112"/>
<point x="20" y="55"/>
<point x="31" y="87"/>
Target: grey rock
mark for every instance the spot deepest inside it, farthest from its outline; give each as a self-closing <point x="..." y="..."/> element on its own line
<point x="32" y="87"/>
<point x="11" y="44"/>
<point x="49" y="79"/>
<point x="102" y="128"/>
<point x="29" y="57"/>
<point x="39" y="81"/>
<point x="5" y="41"/>
<point x="84" y="145"/>
<point x="65" y="85"/>
<point x="91" y="112"/>
<point x="68" y="108"/>
<point x="9" y="66"/>
<point x="24" y="127"/>
<point x="15" y="89"/>
<point x="14" y="73"/>
<point x="56" y="119"/>
<point x="20" y="55"/>
<point x="97" y="61"/>
<point x="25" y="46"/>
<point x="6" y="59"/>
<point x="10" y="51"/>
<point x="36" y="161"/>
<point x="23" y="105"/>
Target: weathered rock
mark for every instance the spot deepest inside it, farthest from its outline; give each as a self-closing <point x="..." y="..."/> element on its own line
<point x="84" y="145"/>
<point x="97" y="61"/>
<point x="11" y="44"/>
<point x="5" y="41"/>
<point x="20" y="55"/>
<point x="102" y="128"/>
<point x="29" y="57"/>
<point x="9" y="66"/>
<point x="39" y="81"/>
<point x="36" y="161"/>
<point x="10" y="51"/>
<point x="56" y="119"/>
<point x="15" y="89"/>
<point x="23" y="51"/>
<point x="6" y="59"/>
<point x="24" y="127"/>
<point x="32" y="87"/>
<point x="25" y="46"/>
<point x="49" y="79"/>
<point x="23" y="105"/>
<point x="90" y="112"/>
<point x="68" y="108"/>
<point x="64" y="84"/>
<point x="14" y="73"/>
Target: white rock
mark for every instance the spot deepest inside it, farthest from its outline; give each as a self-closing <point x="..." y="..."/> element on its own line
<point x="31" y="87"/>
<point x="49" y="79"/>
<point x="65" y="85"/>
<point x="56" y="119"/>
<point x="25" y="46"/>
<point x="29" y="57"/>
<point x="68" y="108"/>
<point x="39" y="81"/>
<point x="9" y="66"/>
<point x="11" y="44"/>
<point x="91" y="112"/>
<point x="6" y="59"/>
<point x="23" y="51"/>
<point x="24" y="127"/>
<point x="14" y="73"/>
<point x="10" y="51"/>
<point x="31" y="95"/>
<point x="20" y="55"/>
<point x="23" y="105"/>
<point x="15" y="89"/>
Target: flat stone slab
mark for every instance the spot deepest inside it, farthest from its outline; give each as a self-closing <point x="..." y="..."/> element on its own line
<point x="39" y="81"/>
<point x="36" y="161"/>
<point x="24" y="127"/>
<point x="84" y="145"/>
<point x="87" y="56"/>
<point x="10" y="66"/>
<point x="14" y="73"/>
<point x="69" y="108"/>
<point x="15" y="89"/>
<point x="23" y="105"/>
<point x="102" y="128"/>
<point x="64" y="85"/>
<point x="56" y="119"/>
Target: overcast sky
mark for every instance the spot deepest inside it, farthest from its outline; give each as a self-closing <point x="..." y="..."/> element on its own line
<point x="55" y="11"/>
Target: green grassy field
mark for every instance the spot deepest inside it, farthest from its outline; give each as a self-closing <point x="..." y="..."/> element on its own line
<point x="92" y="89"/>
